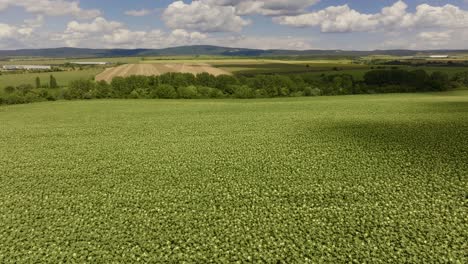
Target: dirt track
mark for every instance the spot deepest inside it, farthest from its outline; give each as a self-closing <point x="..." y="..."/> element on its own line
<point x="156" y="69"/>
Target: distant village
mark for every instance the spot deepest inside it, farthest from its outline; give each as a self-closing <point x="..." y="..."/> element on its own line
<point x="47" y="67"/>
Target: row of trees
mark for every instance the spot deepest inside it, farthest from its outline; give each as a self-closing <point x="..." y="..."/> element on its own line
<point x="27" y="93"/>
<point x="408" y="81"/>
<point x="52" y="83"/>
<point x="204" y="85"/>
<point x="189" y="86"/>
<point x="38" y="84"/>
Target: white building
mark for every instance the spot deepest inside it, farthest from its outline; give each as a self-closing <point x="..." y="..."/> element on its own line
<point x="439" y="56"/>
<point x="26" y="67"/>
<point x="90" y="63"/>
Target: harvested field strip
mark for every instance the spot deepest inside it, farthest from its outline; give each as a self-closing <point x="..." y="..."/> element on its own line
<point x="156" y="69"/>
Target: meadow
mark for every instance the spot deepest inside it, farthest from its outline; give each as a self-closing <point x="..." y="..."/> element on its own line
<point x="63" y="77"/>
<point x="59" y="61"/>
<point x="319" y="68"/>
<point x="240" y="66"/>
<point x="365" y="178"/>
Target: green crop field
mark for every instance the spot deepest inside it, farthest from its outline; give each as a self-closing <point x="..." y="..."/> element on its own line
<point x="318" y="68"/>
<point x="372" y="178"/>
<point x="237" y="65"/>
<point x="287" y="68"/>
<point x="63" y="78"/>
<point x="59" y="61"/>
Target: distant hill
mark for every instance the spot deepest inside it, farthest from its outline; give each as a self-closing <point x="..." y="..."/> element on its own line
<point x="206" y="50"/>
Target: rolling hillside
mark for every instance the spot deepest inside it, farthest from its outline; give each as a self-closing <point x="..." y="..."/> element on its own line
<point x="205" y="50"/>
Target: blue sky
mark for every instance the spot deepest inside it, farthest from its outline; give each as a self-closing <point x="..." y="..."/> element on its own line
<point x="266" y="24"/>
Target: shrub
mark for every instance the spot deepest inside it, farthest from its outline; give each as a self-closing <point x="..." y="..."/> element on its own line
<point x="316" y="92"/>
<point x="101" y="90"/>
<point x="53" y="82"/>
<point x="9" y="89"/>
<point x="461" y="78"/>
<point x="43" y="93"/>
<point x="206" y="79"/>
<point x="297" y="94"/>
<point x="81" y="89"/>
<point x="123" y="87"/>
<point x="120" y="89"/>
<point x="439" y="81"/>
<point x="205" y="92"/>
<point x="51" y="98"/>
<point x="243" y="92"/>
<point x="38" y="82"/>
<point x="164" y="91"/>
<point x="24" y="88"/>
<point x="419" y="80"/>
<point x="65" y="94"/>
<point x="284" y="91"/>
<point x="14" y="98"/>
<point x="309" y="91"/>
<point x="261" y="93"/>
<point x="223" y="82"/>
<point x="31" y="97"/>
<point x="189" y="92"/>
<point x="139" y="93"/>
<point x="407" y="81"/>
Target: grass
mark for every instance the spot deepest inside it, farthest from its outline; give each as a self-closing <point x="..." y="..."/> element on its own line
<point x="356" y="70"/>
<point x="59" y="61"/>
<point x="236" y="65"/>
<point x="289" y="68"/>
<point x="372" y="178"/>
<point x="63" y="78"/>
<point x="167" y="59"/>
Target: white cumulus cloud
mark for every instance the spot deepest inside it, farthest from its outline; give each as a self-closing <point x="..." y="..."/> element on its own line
<point x="266" y="7"/>
<point x="395" y="17"/>
<point x="333" y="19"/>
<point x="14" y="36"/>
<point x="112" y="34"/>
<point x="52" y="8"/>
<point x="99" y="25"/>
<point x="138" y="13"/>
<point x="200" y="16"/>
<point x="435" y="39"/>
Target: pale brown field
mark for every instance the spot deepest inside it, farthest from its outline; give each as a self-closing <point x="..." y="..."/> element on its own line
<point x="157" y="69"/>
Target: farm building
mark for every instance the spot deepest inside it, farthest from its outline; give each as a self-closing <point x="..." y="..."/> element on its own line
<point x="439" y="56"/>
<point x="90" y="63"/>
<point x="26" y="67"/>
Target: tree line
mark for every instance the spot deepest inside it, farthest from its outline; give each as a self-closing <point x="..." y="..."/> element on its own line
<point x="204" y="85"/>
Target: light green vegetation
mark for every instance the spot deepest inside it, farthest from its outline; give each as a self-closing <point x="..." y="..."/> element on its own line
<point x="60" y="61"/>
<point x="318" y="68"/>
<point x="133" y="60"/>
<point x="282" y="67"/>
<point x="449" y="70"/>
<point x="237" y="60"/>
<point x="187" y="58"/>
<point x="358" y="71"/>
<point x="249" y="65"/>
<point x="373" y="178"/>
<point x="63" y="78"/>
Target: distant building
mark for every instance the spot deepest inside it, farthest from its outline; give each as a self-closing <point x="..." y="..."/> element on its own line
<point x="26" y="67"/>
<point x="439" y="56"/>
<point x="90" y="63"/>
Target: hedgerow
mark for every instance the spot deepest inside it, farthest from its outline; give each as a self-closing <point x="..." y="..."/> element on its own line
<point x="204" y="85"/>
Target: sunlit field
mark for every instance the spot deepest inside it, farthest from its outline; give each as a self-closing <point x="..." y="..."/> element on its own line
<point x="369" y="178"/>
<point x="63" y="78"/>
